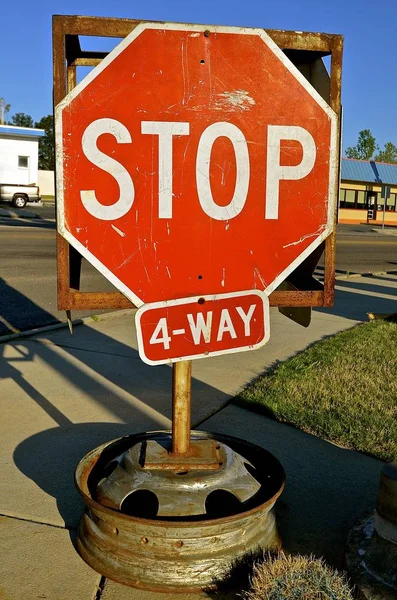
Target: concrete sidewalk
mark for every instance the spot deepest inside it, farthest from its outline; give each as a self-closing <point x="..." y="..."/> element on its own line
<point x="63" y="395"/>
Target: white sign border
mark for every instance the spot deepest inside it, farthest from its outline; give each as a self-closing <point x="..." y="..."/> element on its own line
<point x="333" y="166"/>
<point x="194" y="300"/>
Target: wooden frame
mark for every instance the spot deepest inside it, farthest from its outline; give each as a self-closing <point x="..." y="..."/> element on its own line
<point x="305" y="50"/>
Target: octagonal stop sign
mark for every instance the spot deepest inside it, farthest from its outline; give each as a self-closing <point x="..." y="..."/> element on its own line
<point x="195" y="161"/>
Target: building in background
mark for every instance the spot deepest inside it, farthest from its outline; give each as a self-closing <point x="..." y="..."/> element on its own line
<point x="19" y="154"/>
<point x="360" y="196"/>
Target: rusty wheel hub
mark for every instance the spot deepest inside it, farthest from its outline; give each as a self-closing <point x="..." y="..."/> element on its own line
<point x="202" y="520"/>
<point x="181" y="487"/>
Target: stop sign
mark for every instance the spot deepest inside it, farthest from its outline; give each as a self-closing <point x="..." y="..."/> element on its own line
<point x="195" y="160"/>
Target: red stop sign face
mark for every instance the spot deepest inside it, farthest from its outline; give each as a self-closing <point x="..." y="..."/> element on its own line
<point x="195" y="160"/>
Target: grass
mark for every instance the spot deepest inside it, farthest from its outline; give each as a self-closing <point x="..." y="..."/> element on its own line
<point x="343" y="389"/>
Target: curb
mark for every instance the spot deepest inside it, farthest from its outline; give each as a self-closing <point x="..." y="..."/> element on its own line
<point x="62" y="325"/>
<point x="345" y="275"/>
<point x="367" y="274"/>
<point x="388" y="230"/>
<point x="37" y="219"/>
<point x="109" y="315"/>
<point x="16" y="216"/>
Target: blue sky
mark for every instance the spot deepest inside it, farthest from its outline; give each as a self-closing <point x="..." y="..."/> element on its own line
<point x="369" y="28"/>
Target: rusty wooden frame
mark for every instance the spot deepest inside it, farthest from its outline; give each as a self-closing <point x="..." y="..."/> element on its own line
<point x="303" y="47"/>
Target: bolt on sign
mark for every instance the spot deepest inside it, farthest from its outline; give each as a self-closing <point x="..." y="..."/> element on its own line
<point x="195" y="170"/>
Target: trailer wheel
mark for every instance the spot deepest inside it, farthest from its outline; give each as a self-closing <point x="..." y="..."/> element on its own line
<point x="19" y="201"/>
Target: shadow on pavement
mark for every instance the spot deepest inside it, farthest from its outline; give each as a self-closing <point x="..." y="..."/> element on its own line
<point x="366" y="284"/>
<point x="104" y="371"/>
<point x="107" y="374"/>
<point x="385" y="278"/>
<point x="327" y="487"/>
<point x="356" y="297"/>
<point x="35" y="223"/>
<point x="14" y="307"/>
<point x="50" y="457"/>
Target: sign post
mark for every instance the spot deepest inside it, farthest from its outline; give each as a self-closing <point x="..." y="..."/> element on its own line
<point x="196" y="188"/>
<point x="181" y="406"/>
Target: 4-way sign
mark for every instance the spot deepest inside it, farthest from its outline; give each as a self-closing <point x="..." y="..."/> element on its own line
<point x="195" y="164"/>
<point x="199" y="326"/>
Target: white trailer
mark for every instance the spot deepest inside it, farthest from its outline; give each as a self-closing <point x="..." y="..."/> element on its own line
<point x="19" y="152"/>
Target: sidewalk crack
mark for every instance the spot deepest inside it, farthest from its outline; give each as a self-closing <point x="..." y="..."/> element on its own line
<point x="213" y="412"/>
<point x="26" y="520"/>
<point x="100" y="588"/>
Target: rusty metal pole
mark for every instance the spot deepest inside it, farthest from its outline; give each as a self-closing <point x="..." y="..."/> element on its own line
<point x="181" y="395"/>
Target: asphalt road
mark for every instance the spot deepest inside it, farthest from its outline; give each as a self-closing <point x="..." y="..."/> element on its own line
<point x="28" y="296"/>
<point x="28" y="267"/>
<point x="359" y="249"/>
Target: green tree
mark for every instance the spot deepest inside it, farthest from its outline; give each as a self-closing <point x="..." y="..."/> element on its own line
<point x="46" y="143"/>
<point x="22" y="120"/>
<point x="365" y="148"/>
<point x="388" y="154"/>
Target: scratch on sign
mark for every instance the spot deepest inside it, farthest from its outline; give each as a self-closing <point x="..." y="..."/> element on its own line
<point x="237" y="99"/>
<point x="305" y="237"/>
<point x="223" y="277"/>
<point x="117" y="230"/>
<point x="258" y="274"/>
